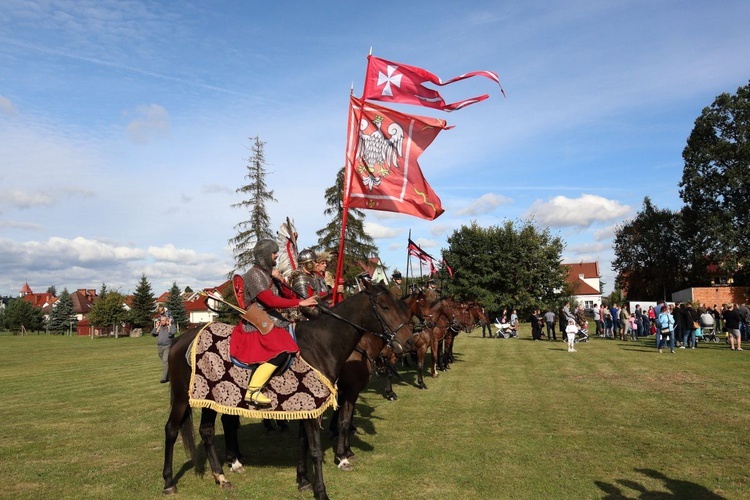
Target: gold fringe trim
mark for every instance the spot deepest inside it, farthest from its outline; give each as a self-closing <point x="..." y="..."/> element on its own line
<point x="331" y="402"/>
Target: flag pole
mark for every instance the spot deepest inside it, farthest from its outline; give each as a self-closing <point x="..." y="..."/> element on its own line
<point x="408" y="261"/>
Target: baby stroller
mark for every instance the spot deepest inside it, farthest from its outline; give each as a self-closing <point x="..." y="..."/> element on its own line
<point x="582" y="335"/>
<point x="505" y="330"/>
<point x="709" y="334"/>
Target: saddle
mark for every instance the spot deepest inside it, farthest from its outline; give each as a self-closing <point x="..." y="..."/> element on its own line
<point x="217" y="382"/>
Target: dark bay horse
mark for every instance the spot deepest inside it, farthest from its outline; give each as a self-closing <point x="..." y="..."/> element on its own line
<point x="416" y="304"/>
<point x="325" y="343"/>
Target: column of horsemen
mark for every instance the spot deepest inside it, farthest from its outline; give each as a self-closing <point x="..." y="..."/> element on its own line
<point x="436" y="321"/>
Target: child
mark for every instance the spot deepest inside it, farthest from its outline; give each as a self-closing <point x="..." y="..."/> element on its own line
<point x="633" y="327"/>
<point x="571" y="331"/>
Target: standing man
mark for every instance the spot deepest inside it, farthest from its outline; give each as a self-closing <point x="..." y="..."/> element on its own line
<point x="549" y="318"/>
<point x="164" y="332"/>
<point x="597" y="320"/>
<point x="732" y="320"/>
<point x="395" y="288"/>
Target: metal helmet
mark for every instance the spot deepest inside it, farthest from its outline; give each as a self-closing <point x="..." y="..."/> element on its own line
<point x="396" y="275"/>
<point x="263" y="254"/>
<point x="306" y="259"/>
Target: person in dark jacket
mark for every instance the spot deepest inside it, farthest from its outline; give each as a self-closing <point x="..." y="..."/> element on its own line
<point x="732" y="320"/>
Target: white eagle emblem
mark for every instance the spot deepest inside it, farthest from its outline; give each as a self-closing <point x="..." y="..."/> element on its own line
<point x="378" y="153"/>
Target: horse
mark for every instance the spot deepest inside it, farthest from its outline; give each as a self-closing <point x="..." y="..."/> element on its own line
<point x="416" y="304"/>
<point x="371" y="354"/>
<point x="325" y="343"/>
<point x="479" y="318"/>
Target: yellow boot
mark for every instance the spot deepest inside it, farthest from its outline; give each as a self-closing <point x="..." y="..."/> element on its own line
<point x="261" y="375"/>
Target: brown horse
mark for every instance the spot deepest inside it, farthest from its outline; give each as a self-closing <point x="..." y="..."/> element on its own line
<point x="325" y="343"/>
<point x="416" y="304"/>
<point x="479" y="317"/>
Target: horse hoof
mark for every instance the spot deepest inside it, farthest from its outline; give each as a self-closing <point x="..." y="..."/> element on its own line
<point x="344" y="465"/>
<point x="226" y="486"/>
<point x="172" y="490"/>
<point x="304" y="486"/>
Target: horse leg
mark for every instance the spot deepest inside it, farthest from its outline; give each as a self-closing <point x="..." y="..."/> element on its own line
<point x="231" y="424"/>
<point x="389" y="394"/>
<point x="303" y="483"/>
<point x="421" y="355"/>
<point x="312" y="427"/>
<point x="343" y="452"/>
<point x="207" y="431"/>
<point x="180" y="418"/>
<point x="435" y="350"/>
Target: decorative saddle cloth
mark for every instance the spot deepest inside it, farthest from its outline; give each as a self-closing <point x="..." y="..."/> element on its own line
<point x="217" y="383"/>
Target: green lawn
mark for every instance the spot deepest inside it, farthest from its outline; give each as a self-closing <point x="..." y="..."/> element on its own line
<point x="513" y="418"/>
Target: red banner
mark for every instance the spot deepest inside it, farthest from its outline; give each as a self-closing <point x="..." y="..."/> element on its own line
<point x="395" y="82"/>
<point x="382" y="148"/>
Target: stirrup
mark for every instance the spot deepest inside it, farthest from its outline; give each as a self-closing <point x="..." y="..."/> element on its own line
<point x="257" y="397"/>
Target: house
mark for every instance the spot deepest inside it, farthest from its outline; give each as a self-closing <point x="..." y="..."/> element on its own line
<point x="584" y="279"/>
<point x="38" y="300"/>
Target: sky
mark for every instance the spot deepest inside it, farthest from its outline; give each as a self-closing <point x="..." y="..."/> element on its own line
<point x="126" y="125"/>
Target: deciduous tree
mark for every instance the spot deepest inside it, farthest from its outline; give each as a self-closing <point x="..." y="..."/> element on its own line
<point x="715" y="183"/>
<point x="651" y="258"/>
<point x="515" y="265"/>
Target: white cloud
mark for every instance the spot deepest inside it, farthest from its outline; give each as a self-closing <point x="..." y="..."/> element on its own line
<point x="19" y="198"/>
<point x="562" y="211"/>
<point x="379" y="232"/>
<point x="606" y="233"/>
<point x="152" y="122"/>
<point x="484" y="204"/>
<point x="9" y="224"/>
<point x="170" y="253"/>
<point x="6" y="107"/>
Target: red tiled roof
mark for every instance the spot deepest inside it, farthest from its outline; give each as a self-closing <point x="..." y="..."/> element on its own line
<point x="580" y="271"/>
<point x="26" y="289"/>
<point x="38" y="300"/>
<point x="370" y="265"/>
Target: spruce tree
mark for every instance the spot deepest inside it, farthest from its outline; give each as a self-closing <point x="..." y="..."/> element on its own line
<point x="143" y="304"/>
<point x="359" y="246"/>
<point x="176" y="307"/>
<point x="62" y="315"/>
<point x="257" y="227"/>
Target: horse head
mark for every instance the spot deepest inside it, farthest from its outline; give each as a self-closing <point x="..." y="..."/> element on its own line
<point x="393" y="317"/>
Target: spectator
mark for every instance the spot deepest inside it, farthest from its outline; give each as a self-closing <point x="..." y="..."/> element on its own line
<point x="633" y="327"/>
<point x="549" y="318"/>
<point x="164" y="332"/>
<point x="570" y="332"/>
<point x="598" y="320"/>
<point x="666" y="329"/>
<point x="624" y="322"/>
<point x="732" y="322"/>
<point x="607" y="322"/>
<point x="615" y="312"/>
<point x="536" y="325"/>
<point x="692" y="322"/>
<point x="744" y="313"/>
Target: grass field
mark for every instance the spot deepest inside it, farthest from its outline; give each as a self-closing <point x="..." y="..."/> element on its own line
<point x="513" y="418"/>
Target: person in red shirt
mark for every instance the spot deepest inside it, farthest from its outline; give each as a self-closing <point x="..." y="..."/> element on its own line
<point x="247" y="344"/>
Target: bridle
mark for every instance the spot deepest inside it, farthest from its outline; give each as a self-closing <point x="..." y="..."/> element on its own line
<point x="388" y="335"/>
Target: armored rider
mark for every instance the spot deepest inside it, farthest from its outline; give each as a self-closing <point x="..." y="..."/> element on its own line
<point x="272" y="349"/>
<point x="306" y="282"/>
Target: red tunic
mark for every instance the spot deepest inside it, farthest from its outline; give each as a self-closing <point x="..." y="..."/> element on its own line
<point x="253" y="348"/>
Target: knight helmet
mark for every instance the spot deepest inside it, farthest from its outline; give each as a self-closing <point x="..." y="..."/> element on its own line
<point x="306" y="259"/>
<point x="263" y="253"/>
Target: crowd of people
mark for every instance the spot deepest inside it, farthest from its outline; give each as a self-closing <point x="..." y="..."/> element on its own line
<point x="679" y="325"/>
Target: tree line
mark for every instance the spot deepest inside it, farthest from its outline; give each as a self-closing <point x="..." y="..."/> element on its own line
<point x="704" y="242"/>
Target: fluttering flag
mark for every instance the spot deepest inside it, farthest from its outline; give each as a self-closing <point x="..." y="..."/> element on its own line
<point x="423" y="256"/>
<point x="382" y="148"/>
<point x="448" y="268"/>
<point x="395" y="82"/>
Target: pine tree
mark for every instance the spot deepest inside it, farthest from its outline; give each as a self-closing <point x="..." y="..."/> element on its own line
<point x="52" y="290"/>
<point x="62" y="315"/>
<point x="359" y="246"/>
<point x="143" y="304"/>
<point x="257" y="227"/>
<point x="176" y="307"/>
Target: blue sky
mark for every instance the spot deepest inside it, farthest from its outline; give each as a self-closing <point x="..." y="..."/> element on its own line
<point x="125" y="125"/>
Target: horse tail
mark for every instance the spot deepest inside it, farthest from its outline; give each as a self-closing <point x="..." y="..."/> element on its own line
<point x="188" y="435"/>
